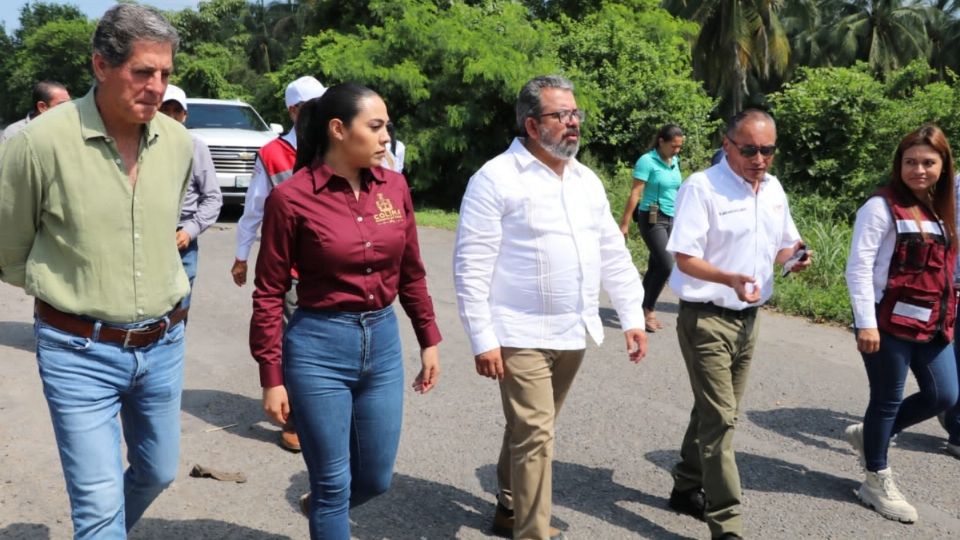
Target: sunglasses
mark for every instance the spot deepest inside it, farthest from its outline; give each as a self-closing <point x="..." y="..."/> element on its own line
<point x="748" y="151"/>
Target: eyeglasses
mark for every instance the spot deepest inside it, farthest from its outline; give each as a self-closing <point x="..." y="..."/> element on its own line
<point x="564" y="116"/>
<point x="750" y="150"/>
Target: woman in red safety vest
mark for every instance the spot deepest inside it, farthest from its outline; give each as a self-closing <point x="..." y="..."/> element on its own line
<point x="900" y="278"/>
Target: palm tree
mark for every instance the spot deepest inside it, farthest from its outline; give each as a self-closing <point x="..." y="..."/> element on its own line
<point x="943" y="30"/>
<point x="742" y="46"/>
<point x="885" y="33"/>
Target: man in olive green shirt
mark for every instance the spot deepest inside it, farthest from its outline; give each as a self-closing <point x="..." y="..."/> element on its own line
<point x="90" y="196"/>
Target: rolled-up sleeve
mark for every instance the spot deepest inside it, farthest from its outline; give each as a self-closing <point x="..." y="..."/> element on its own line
<point x="412" y="287"/>
<point x="475" y="253"/>
<point x="271" y="284"/>
<point x="21" y="199"/>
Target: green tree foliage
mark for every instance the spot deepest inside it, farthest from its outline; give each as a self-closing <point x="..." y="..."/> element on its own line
<point x="57" y="50"/>
<point x="887" y="34"/>
<point x="838" y="127"/>
<point x="633" y="69"/>
<point x="741" y="48"/>
<point x="449" y="76"/>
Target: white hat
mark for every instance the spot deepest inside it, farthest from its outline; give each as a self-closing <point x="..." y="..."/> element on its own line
<point x="175" y="93"/>
<point x="303" y="89"/>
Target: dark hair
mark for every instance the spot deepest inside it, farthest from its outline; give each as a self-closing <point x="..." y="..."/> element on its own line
<point x="750" y="113"/>
<point x="124" y="24"/>
<point x="528" y="100"/>
<point x="43" y="91"/>
<point x="668" y="132"/>
<point x="943" y="195"/>
<point x="313" y="139"/>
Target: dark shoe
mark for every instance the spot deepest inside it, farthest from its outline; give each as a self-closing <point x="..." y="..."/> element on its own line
<point x="305" y="504"/>
<point x="691" y="502"/>
<point x="729" y="536"/>
<point x="503" y="524"/>
<point x="289" y="440"/>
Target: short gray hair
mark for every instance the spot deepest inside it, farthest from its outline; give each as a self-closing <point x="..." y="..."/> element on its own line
<point x="124" y="24"/>
<point x="752" y="114"/>
<point x="528" y="101"/>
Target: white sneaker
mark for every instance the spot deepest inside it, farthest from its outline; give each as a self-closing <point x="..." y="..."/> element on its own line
<point x="953" y="450"/>
<point x="879" y="492"/>
<point x="854" y="435"/>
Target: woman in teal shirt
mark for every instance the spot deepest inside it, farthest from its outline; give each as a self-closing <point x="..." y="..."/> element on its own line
<point x="656" y="179"/>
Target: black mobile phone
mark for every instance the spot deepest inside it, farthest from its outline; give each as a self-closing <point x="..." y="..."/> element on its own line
<point x="798" y="256"/>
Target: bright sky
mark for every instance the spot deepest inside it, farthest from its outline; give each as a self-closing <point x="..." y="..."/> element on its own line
<point x="10" y="9"/>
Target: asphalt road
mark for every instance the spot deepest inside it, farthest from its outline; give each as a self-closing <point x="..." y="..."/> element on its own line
<point x="617" y="437"/>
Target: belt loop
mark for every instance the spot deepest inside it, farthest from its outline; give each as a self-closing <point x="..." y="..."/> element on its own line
<point x="96" y="330"/>
<point x="166" y="324"/>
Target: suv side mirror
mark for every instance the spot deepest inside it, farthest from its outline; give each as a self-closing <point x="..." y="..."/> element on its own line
<point x="276" y="128"/>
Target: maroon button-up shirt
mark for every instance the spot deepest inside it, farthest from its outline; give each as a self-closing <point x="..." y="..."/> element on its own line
<point x="352" y="255"/>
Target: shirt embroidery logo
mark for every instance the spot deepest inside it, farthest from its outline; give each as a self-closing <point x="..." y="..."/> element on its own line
<point x="388" y="214"/>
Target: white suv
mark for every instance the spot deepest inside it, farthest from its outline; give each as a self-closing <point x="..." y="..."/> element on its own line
<point x="234" y="132"/>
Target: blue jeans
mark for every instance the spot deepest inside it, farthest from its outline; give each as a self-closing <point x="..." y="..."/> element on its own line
<point x="189" y="256"/>
<point x="87" y="383"/>
<point x="344" y="377"/>
<point x="952" y="420"/>
<point x="934" y="366"/>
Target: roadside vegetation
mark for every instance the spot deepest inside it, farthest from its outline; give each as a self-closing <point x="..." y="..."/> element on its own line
<point x="844" y="78"/>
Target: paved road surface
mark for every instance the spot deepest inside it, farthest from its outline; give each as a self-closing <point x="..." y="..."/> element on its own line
<point x="618" y="436"/>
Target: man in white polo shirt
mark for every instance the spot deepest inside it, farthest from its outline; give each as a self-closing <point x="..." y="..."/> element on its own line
<point x="535" y="242"/>
<point x="732" y="223"/>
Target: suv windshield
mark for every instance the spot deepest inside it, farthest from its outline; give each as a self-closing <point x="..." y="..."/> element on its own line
<point x="239" y="116"/>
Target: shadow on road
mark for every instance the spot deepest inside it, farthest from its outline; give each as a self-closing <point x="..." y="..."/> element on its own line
<point x="777" y="476"/>
<point x="18" y="335"/>
<point x="412" y="509"/>
<point x="155" y="529"/>
<point x="25" y="531"/>
<point x="592" y="491"/>
<point x="219" y="408"/>
<point x="165" y="529"/>
<point x="807" y="425"/>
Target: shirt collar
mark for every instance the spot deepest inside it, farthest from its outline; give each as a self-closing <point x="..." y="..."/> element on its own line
<point x="321" y="174"/>
<point x="91" y="123"/>
<point x="656" y="156"/>
<point x="526" y="160"/>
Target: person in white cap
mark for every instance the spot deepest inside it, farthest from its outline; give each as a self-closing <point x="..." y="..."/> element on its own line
<point x="274" y="165"/>
<point x="203" y="200"/>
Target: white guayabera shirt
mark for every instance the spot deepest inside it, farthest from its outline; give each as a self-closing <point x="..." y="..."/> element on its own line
<point x="532" y="252"/>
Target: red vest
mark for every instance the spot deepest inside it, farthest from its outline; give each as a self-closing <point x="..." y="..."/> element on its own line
<point x="278" y="158"/>
<point x="919" y="301"/>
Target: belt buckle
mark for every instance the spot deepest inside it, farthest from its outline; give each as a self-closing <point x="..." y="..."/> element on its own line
<point x="163" y="325"/>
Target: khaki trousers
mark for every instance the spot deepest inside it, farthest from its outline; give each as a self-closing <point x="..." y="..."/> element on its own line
<point x="532" y="392"/>
<point x="717" y="349"/>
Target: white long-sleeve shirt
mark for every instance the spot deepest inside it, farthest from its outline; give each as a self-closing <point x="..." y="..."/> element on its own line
<point x="256" y="197"/>
<point x="531" y="253"/>
<point x="868" y="266"/>
<point x="721" y="220"/>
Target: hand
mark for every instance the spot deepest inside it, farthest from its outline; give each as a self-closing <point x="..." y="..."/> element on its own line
<point x="745" y="287"/>
<point x="636" y="344"/>
<point x="429" y="370"/>
<point x="183" y="239"/>
<point x="239" y="272"/>
<point x="490" y="364"/>
<point x="625" y="228"/>
<point x="868" y="340"/>
<point x="276" y="404"/>
<point x="804" y="263"/>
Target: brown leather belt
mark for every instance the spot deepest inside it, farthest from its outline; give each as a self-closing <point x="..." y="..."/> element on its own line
<point x="125" y="337"/>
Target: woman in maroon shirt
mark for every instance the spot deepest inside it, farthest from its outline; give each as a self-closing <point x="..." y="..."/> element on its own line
<point x="347" y="225"/>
